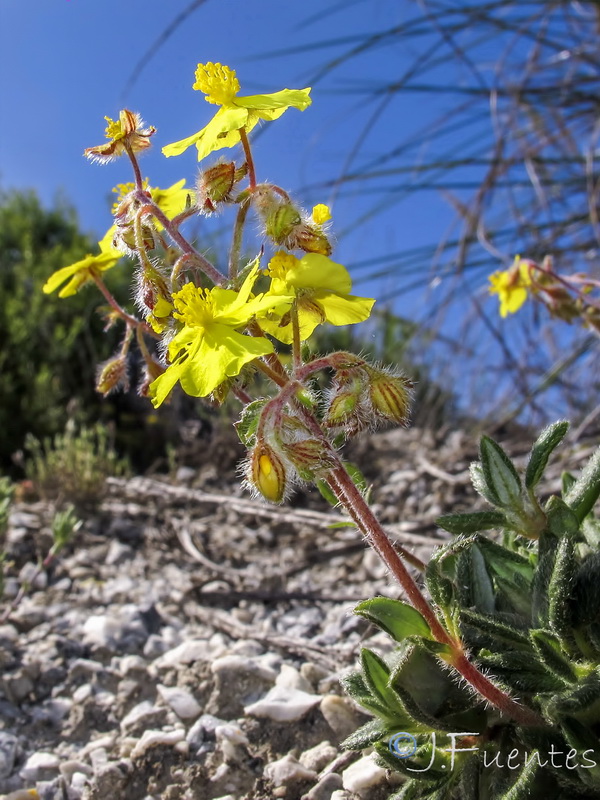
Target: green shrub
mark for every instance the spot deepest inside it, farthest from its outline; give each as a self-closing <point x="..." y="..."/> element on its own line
<point x="48" y="356"/>
<point x="73" y="466"/>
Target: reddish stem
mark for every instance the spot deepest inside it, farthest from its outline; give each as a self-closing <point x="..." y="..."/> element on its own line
<point x="249" y="159"/>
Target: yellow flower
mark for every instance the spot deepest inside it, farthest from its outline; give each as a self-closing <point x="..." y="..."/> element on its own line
<point x="209" y="349"/>
<point x="171" y="201"/>
<point x="126" y="132"/>
<point x="322" y="290"/>
<point x="511" y="286"/>
<point x="85" y="270"/>
<point x="220" y="85"/>
<point x="321" y="213"/>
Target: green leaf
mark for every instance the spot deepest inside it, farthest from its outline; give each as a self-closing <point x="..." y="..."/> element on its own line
<point x="549" y="438"/>
<point x="560" y="589"/>
<point x="547" y="545"/>
<point x="369" y="733"/>
<point x="504" y="562"/>
<point x="567" y="482"/>
<point x="584" y="741"/>
<point x="522" y="672"/>
<point x="377" y="674"/>
<point x="586" y="489"/>
<point x="500" y="632"/>
<point x="500" y="475"/>
<point x="440" y="588"/>
<point x="248" y="422"/>
<point x="358" y="478"/>
<point x="479" y="483"/>
<point x="582" y="702"/>
<point x="590" y="528"/>
<point x="482" y="590"/>
<point x="354" y="685"/>
<point x="394" y="617"/>
<point x="550" y="652"/>
<point x="473" y="522"/>
<point x="562" y="520"/>
<point x="326" y="492"/>
<point x="585" y="596"/>
<point x="436" y="776"/>
<point x="522" y="787"/>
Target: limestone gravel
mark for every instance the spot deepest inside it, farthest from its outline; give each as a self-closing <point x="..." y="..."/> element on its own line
<point x="190" y="645"/>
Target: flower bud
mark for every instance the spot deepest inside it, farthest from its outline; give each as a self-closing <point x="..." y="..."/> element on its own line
<point x="310" y="457"/>
<point x="341" y="409"/>
<point x="390" y="397"/>
<point x="281" y="221"/>
<point x="215" y="185"/>
<point x="112" y="374"/>
<point x="267" y="473"/>
<point x="310" y="239"/>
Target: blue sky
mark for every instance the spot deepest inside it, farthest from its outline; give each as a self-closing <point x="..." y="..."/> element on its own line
<point x="66" y="63"/>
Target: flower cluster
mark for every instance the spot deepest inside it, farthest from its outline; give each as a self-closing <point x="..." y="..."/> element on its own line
<point x="565" y="297"/>
<point x="214" y="329"/>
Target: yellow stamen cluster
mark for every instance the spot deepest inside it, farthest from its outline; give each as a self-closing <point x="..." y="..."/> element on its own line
<point x="218" y="82"/>
<point x="195" y="306"/>
<point x="280" y="264"/>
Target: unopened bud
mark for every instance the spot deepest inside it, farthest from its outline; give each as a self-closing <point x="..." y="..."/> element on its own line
<point x="111" y="375"/>
<point x="281" y="221"/>
<point x="310" y="239"/>
<point x="342" y="408"/>
<point x="310" y="457"/>
<point x="267" y="473"/>
<point x="215" y="185"/>
<point x="390" y="397"/>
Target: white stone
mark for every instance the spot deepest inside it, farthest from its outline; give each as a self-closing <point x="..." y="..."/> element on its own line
<point x="363" y="775"/>
<point x="283" y="705"/>
<point x="38" y="763"/>
<point x="290" y="678"/>
<point x="152" y="738"/>
<point x="235" y="663"/>
<point x="318" y="757"/>
<point x="183" y="703"/>
<point x="184" y="653"/>
<point x="233" y="742"/>
<point x="288" y="770"/>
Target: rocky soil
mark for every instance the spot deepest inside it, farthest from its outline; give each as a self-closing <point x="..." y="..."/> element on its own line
<point x="189" y="644"/>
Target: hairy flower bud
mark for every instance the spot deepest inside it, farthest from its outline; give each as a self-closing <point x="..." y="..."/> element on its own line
<point x="390" y="397"/>
<point x="310" y="457"/>
<point x="310" y="239"/>
<point x="216" y="184"/>
<point x="267" y="473"/>
<point x="281" y="221"/>
<point x="112" y="374"/>
<point x="342" y="408"/>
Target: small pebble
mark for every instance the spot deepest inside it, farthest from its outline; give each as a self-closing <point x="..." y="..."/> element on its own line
<point x="153" y="738"/>
<point x="325" y="788"/>
<point x="363" y="775"/>
<point x="288" y="770"/>
<point x="283" y="705"/>
<point x="318" y="757"/>
<point x="340" y="716"/>
<point x="183" y="703"/>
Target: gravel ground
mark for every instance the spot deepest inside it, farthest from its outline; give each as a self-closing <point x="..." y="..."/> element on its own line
<point x="189" y="645"/>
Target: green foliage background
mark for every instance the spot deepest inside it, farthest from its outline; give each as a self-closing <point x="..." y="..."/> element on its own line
<point x="50" y="347"/>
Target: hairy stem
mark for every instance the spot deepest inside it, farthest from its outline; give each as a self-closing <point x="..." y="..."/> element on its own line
<point x="236" y="243"/>
<point x="249" y="159"/>
<point x="150" y="207"/>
